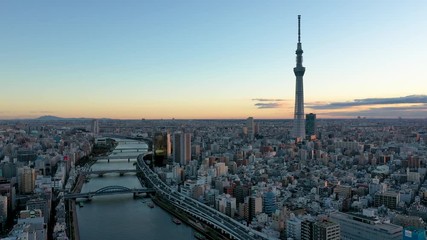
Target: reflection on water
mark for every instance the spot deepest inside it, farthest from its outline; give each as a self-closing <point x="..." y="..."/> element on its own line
<point x="120" y="216"/>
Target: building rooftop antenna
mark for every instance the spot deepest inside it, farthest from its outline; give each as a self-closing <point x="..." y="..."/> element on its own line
<point x="299" y="28"/>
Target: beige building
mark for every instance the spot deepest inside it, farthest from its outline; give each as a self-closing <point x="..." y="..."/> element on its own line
<point x="26" y="180"/>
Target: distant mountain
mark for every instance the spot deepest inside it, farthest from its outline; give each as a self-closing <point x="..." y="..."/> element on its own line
<point x="55" y="118"/>
<point x="49" y="118"/>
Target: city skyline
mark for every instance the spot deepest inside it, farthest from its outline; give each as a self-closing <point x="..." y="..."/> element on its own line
<point x="204" y="60"/>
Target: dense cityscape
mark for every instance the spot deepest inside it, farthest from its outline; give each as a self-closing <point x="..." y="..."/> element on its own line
<point x="350" y="179"/>
<point x="307" y="178"/>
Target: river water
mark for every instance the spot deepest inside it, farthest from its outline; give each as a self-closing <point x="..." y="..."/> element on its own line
<point x="115" y="217"/>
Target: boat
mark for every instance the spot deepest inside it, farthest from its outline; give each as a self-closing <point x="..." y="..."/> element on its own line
<point x="150" y="204"/>
<point x="200" y="236"/>
<point x="176" y="221"/>
<point x="81" y="204"/>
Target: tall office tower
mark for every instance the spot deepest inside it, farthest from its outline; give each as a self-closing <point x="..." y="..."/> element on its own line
<point x="251" y="127"/>
<point x="167" y="139"/>
<point x="161" y="147"/>
<point x="182" y="148"/>
<point x="299" y="128"/>
<point x="310" y="124"/>
<point x="176" y="147"/>
<point x="95" y="127"/>
<point x="187" y="148"/>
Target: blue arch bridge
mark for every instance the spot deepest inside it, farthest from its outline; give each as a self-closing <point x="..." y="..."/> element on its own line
<point x="110" y="190"/>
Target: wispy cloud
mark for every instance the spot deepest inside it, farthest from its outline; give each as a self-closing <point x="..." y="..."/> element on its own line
<point x="370" y="101"/>
<point x="385" y="112"/>
<point x="268" y="100"/>
<point x="266" y="103"/>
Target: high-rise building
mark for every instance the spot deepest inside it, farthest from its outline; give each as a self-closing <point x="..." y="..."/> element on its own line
<point x="299" y="70"/>
<point x="269" y="202"/>
<point x="240" y="192"/>
<point x="95" y="127"/>
<point x="254" y="204"/>
<point x="307" y="229"/>
<point x="293" y="227"/>
<point x="326" y="230"/>
<point x="187" y="148"/>
<point x="226" y="204"/>
<point x="310" y="124"/>
<point x="8" y="190"/>
<point x="389" y="199"/>
<point x="26" y="180"/>
<point x="182" y="148"/>
<point x="167" y="139"/>
<point x="161" y="148"/>
<point x="178" y="141"/>
<point x="251" y="127"/>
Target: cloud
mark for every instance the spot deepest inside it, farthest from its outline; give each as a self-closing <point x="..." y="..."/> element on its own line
<point x="267" y="105"/>
<point x="370" y="101"/>
<point x="419" y="111"/>
<point x="381" y="113"/>
<point x="268" y="100"/>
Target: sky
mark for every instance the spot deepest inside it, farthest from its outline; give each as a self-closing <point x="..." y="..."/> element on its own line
<point x="219" y="59"/>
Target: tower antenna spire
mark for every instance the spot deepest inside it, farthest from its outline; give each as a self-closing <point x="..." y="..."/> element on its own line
<point x="299" y="123"/>
<point x="299" y="28"/>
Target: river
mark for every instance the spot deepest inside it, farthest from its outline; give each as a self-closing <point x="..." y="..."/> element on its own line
<point x="116" y="217"/>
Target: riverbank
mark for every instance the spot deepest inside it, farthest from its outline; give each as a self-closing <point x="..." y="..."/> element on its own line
<point x="74" y="232"/>
<point x="98" y="150"/>
<point x="73" y="226"/>
<point x="207" y="231"/>
<point x="121" y="216"/>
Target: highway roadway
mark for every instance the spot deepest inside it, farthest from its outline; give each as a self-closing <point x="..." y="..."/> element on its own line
<point x="226" y="224"/>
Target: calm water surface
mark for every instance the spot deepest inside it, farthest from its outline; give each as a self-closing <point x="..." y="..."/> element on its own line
<point x="120" y="216"/>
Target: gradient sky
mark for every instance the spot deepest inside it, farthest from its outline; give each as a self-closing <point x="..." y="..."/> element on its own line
<point x="211" y="59"/>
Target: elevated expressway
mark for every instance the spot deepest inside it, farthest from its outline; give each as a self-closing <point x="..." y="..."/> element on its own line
<point x="227" y="225"/>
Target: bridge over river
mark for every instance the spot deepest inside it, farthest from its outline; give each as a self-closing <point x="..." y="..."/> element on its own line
<point x="110" y="190"/>
<point x="106" y="171"/>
